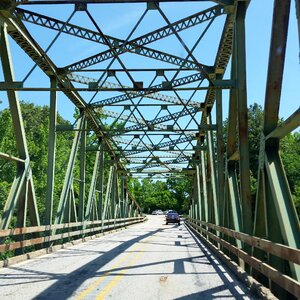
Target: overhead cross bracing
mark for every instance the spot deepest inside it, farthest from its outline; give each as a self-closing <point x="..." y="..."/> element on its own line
<point x="164" y="118"/>
<point x="170" y="128"/>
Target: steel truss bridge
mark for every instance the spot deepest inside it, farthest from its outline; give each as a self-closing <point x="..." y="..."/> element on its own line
<point x="154" y="109"/>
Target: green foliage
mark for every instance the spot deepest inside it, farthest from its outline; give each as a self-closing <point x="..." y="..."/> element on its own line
<point x="289" y="150"/>
<point x="36" y="125"/>
<point x="170" y="194"/>
<point x="9" y="253"/>
<point x="255" y="119"/>
<point x="290" y="154"/>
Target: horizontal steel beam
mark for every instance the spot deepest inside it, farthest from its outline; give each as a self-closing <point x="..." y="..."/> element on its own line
<point x="40" y="2"/>
<point x="124" y="90"/>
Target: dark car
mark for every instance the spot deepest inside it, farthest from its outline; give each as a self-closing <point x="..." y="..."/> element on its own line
<point x="172" y="217"/>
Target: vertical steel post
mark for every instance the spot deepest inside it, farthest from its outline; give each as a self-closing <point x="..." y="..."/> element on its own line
<point x="51" y="152"/>
<point x="100" y="180"/>
<point x="213" y="177"/>
<point x="112" y="202"/>
<point x="198" y="190"/>
<point x="122" y="196"/>
<point x="245" y="191"/>
<point x="204" y="186"/>
<point x="220" y="154"/>
<point x="233" y="197"/>
<point x="126" y="204"/>
<point x="273" y="194"/>
<point x="82" y="171"/>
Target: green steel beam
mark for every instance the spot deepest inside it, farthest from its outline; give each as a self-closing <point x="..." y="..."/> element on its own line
<point x="220" y="155"/>
<point x="239" y="43"/>
<point x="92" y="192"/>
<point x="100" y="181"/>
<point x="198" y="191"/>
<point x="232" y="197"/>
<point x="286" y="127"/>
<point x="22" y="190"/>
<point x="204" y="186"/>
<point x="234" y="201"/>
<point x="35" y="2"/>
<point x="51" y="153"/>
<point x="213" y="175"/>
<point x="109" y="85"/>
<point x="276" y="65"/>
<point x="135" y="45"/>
<point x="275" y="215"/>
<point x="107" y="193"/>
<point x="82" y="183"/>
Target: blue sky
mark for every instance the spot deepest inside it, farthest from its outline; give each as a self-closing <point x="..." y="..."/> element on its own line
<point x="118" y="21"/>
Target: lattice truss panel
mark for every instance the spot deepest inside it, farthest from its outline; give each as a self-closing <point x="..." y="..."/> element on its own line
<point x="140" y="72"/>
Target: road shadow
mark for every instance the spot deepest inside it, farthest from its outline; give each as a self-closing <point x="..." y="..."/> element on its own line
<point x="69" y="283"/>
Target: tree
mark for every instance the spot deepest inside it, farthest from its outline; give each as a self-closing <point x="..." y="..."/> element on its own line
<point x="290" y="154"/>
<point x="36" y="124"/>
<point x="171" y="194"/>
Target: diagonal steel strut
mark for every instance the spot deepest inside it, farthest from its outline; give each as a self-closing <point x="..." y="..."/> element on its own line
<point x="157" y="96"/>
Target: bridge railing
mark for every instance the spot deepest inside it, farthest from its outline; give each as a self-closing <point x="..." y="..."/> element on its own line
<point x="18" y="244"/>
<point x="216" y="237"/>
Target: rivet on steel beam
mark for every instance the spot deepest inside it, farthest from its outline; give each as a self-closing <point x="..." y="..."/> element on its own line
<point x="111" y="73"/>
<point x="152" y="5"/>
<point x="80" y="6"/>
<point x="93" y="85"/>
<point x="138" y="85"/>
<point x="160" y="72"/>
<point x="116" y="43"/>
<point x="166" y="85"/>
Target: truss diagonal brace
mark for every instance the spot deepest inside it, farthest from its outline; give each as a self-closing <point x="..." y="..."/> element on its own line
<point x="133" y="46"/>
<point x="156" y="96"/>
<point x="178" y="82"/>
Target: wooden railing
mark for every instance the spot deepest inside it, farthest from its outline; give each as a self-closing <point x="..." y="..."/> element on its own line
<point x="23" y="242"/>
<point x="211" y="232"/>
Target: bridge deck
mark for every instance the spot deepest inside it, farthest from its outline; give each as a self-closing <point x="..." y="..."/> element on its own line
<point x="147" y="261"/>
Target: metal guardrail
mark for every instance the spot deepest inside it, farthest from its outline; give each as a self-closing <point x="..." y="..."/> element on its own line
<point x="42" y="236"/>
<point x="286" y="253"/>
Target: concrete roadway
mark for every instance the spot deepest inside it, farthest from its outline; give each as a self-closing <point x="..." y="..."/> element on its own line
<point x="146" y="261"/>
